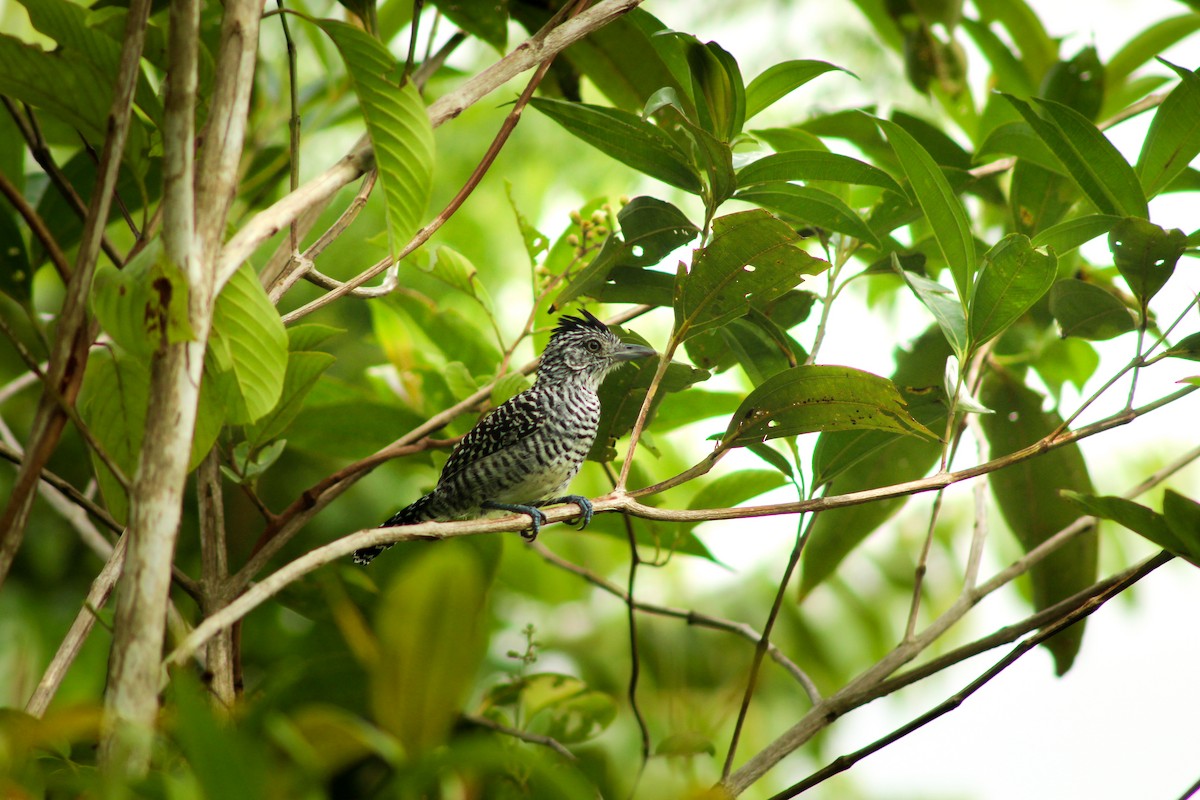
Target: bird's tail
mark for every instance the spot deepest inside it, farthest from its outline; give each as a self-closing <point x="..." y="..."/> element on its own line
<point x="420" y="511"/>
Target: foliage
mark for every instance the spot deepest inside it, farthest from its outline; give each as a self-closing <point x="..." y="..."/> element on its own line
<point x="1012" y="227"/>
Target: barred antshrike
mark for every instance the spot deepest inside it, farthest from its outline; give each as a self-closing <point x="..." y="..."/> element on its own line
<point x="525" y="453"/>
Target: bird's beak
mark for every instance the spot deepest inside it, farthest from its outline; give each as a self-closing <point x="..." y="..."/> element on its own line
<point x="632" y="352"/>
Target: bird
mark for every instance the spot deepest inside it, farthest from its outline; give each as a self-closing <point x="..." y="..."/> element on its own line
<point x="525" y="453"/>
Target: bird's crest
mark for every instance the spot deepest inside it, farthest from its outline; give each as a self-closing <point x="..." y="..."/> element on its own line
<point x="566" y="324"/>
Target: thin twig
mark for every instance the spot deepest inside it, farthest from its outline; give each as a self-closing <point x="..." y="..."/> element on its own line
<point x="517" y="733"/>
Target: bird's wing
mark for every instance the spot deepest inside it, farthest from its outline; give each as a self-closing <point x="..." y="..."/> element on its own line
<point x="512" y="421"/>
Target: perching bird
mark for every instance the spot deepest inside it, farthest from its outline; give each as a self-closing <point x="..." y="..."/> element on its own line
<point x="525" y="453"/>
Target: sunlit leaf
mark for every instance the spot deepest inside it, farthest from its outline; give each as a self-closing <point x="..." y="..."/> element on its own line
<point x="814" y="165"/>
<point x="248" y="346"/>
<point x="1073" y="233"/>
<point x="397" y="123"/>
<point x="810" y="206"/>
<point x="780" y="80"/>
<point x="941" y="205"/>
<point x="751" y="259"/>
<point x="1013" y="277"/>
<point x="820" y="398"/>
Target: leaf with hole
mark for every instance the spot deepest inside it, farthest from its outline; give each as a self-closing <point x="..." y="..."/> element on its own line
<point x="1145" y="255"/>
<point x="751" y="259"/>
<point x="815" y="398"/>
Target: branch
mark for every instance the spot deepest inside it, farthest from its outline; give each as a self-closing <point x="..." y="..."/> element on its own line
<point x="517" y="733"/>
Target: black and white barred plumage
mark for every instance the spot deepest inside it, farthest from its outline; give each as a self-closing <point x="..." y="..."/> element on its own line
<point x="525" y="453"/>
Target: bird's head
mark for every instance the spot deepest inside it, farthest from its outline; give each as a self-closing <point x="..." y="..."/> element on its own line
<point x="583" y="348"/>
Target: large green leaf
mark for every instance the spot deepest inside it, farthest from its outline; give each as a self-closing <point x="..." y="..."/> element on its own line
<point x="430" y="623"/>
<point x="1148" y="43"/>
<point x="1100" y="171"/>
<point x="145" y="305"/>
<point x="1174" y="136"/>
<point x="751" y="259"/>
<point x="810" y="206"/>
<point x="1085" y="310"/>
<point x="1028" y="496"/>
<point x="303" y="371"/>
<point x="1140" y="520"/>
<point x="397" y="123"/>
<point x="248" y="348"/>
<point x="820" y="398"/>
<point x="1013" y="277"/>
<point x="1077" y="83"/>
<point x="780" y="80"/>
<point x="626" y="137"/>
<point x="814" y="165"/>
<point x="940" y="204"/>
<point x="1038" y="197"/>
<point x="718" y="89"/>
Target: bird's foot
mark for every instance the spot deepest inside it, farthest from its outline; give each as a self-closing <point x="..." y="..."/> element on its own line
<point x="585" y="506"/>
<point x="536" y="518"/>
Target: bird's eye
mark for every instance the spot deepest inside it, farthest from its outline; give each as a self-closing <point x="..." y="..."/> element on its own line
<point x="592" y="346"/>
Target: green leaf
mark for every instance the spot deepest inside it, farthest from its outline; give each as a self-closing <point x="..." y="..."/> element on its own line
<point x="143" y="306"/>
<point x="223" y="760"/>
<point x="16" y="273"/>
<point x="486" y="19"/>
<point x="1013" y="277"/>
<point x="1187" y="348"/>
<point x="1148" y="43"/>
<point x="1174" y="136"/>
<point x="734" y="489"/>
<point x="751" y="259"/>
<point x="432" y="639"/>
<point x="1099" y="170"/>
<point x="1038" y="197"/>
<point x="811" y="206"/>
<point x="650" y="230"/>
<point x="1077" y="83"/>
<point x="820" y="398"/>
<point x="559" y="706"/>
<point x="780" y="80"/>
<point x="113" y="403"/>
<point x="308" y="335"/>
<point x="1145" y="255"/>
<point x="1009" y="74"/>
<point x="1178" y="538"/>
<point x="249" y="346"/>
<point x="1028" y="496"/>
<point x="718" y="89"/>
<point x="626" y="137"/>
<point x="303" y="371"/>
<point x="685" y="744"/>
<point x="940" y="204"/>
<point x="1183" y="518"/>
<point x="454" y="269"/>
<point x="1018" y="139"/>
<point x="947" y="309"/>
<point x="814" y="165"/>
<point x="1067" y="236"/>
<point x="1085" y="310"/>
<point x="1038" y="50"/>
<point x="397" y="123"/>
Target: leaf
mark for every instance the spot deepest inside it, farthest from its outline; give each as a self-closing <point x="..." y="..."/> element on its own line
<point x="1183" y="518"/>
<point x="734" y="489"/>
<point x="751" y="259"/>
<point x="486" y="19"/>
<point x="1145" y="255"/>
<point x="938" y="202"/>
<point x="249" y="345"/>
<point x="1174" y="136"/>
<point x="812" y="206"/>
<point x="718" y="89"/>
<point x="1067" y="236"/>
<point x="143" y="306"/>
<point x="454" y="269"/>
<point x="1018" y="139"/>
<point x="16" y="273"/>
<point x="1099" y="170"/>
<point x="685" y="744"/>
<point x="1187" y="348"/>
<point x="814" y="165"/>
<point x="303" y="371"/>
<point x="1013" y="277"/>
<point x="559" y="706"/>
<point x="650" y="230"/>
<point x="430" y="624"/>
<point x="397" y="123"/>
<point x="1085" y="310"/>
<point x="947" y="310"/>
<point x="1148" y="43"/>
<point x="1077" y="83"/>
<point x="1135" y="517"/>
<point x="1038" y="197"/>
<point x="1038" y="50"/>
<point x="820" y="398"/>
<point x="1028" y="496"/>
<point x="626" y="137"/>
<point x="223" y="760"/>
<point x="780" y="80"/>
